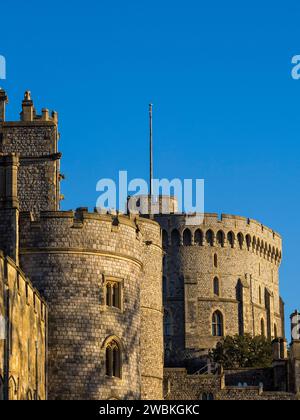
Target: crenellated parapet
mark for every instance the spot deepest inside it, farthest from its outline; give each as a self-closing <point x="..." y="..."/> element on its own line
<point x="226" y="232"/>
<point x="104" y="293"/>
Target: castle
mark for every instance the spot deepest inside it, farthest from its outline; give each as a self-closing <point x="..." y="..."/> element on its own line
<point x="111" y="306"/>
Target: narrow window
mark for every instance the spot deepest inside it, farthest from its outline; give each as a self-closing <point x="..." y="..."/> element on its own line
<point x="113" y="294"/>
<point x="215" y="261"/>
<point x="198" y="237"/>
<point x="113" y="360"/>
<point x="187" y="238"/>
<point x="210" y="238"/>
<point x="217" y="324"/>
<point x="216" y="286"/>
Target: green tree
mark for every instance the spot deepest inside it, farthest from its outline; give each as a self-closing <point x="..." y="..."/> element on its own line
<point x="243" y="352"/>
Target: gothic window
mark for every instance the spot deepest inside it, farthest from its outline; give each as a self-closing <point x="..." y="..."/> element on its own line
<point x="175" y="238"/>
<point x="230" y="238"/>
<point x="113" y="360"/>
<point x="187" y="238"/>
<point x="216" y="261"/>
<point x="220" y="238"/>
<point x="217" y="324"/>
<point x="113" y="294"/>
<point x="216" y="286"/>
<point x="248" y="241"/>
<point x="210" y="237"/>
<point x="199" y="237"/>
<point x="240" y="240"/>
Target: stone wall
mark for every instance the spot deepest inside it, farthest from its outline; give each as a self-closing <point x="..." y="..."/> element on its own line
<point x="240" y="253"/>
<point x="178" y="385"/>
<point x="152" y="350"/>
<point x="23" y="340"/>
<point x="35" y="139"/>
<point x="69" y="257"/>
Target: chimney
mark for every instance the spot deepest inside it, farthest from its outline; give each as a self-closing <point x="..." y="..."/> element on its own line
<point x="28" y="111"/>
<point x="3" y="102"/>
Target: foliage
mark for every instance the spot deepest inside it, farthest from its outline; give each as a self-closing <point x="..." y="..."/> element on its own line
<point x="243" y="352"/>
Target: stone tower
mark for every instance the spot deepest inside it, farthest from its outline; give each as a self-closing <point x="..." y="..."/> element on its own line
<point x="100" y="275"/>
<point x="35" y="139"/>
<point x="220" y="278"/>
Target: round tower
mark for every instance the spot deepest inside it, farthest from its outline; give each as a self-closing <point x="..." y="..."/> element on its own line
<point x="220" y="278"/>
<point x="90" y="269"/>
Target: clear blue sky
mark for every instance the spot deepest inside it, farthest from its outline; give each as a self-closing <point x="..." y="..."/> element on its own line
<point x="226" y="107"/>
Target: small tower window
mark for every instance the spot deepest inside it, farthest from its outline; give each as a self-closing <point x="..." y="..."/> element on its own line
<point x="113" y="360"/>
<point x="217" y="324"/>
<point x="113" y="294"/>
<point x="216" y="261"/>
<point x="216" y="286"/>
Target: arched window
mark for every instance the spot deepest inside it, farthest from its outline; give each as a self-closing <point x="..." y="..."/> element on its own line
<point x="114" y="293"/>
<point x="175" y="238"/>
<point x="217" y="324"/>
<point x="240" y="240"/>
<point x="187" y="238"/>
<point x="216" y="286"/>
<point x="248" y="241"/>
<point x="204" y="397"/>
<point x="220" y="238"/>
<point x="216" y="261"/>
<point x="167" y="323"/>
<point x="113" y="359"/>
<point x="211" y="397"/>
<point x="230" y="239"/>
<point x="199" y="237"/>
<point x="165" y="239"/>
<point x="210" y="238"/>
<point x="262" y="328"/>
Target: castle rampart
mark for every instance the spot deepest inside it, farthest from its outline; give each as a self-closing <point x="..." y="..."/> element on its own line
<point x="23" y="328"/>
<point x="220" y="278"/>
<point x="72" y="258"/>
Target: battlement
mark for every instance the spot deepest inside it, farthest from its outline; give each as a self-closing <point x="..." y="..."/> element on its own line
<point x="225" y="231"/>
<point x="28" y="113"/>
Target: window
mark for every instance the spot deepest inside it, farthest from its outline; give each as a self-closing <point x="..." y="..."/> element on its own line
<point x="187" y="238"/>
<point x="210" y="238"/>
<point x="241" y="240"/>
<point x="220" y="238"/>
<point x="198" y="237"/>
<point x="113" y="359"/>
<point x="230" y="239"/>
<point x="113" y="294"/>
<point x="216" y="286"/>
<point x="215" y="261"/>
<point x="217" y="325"/>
